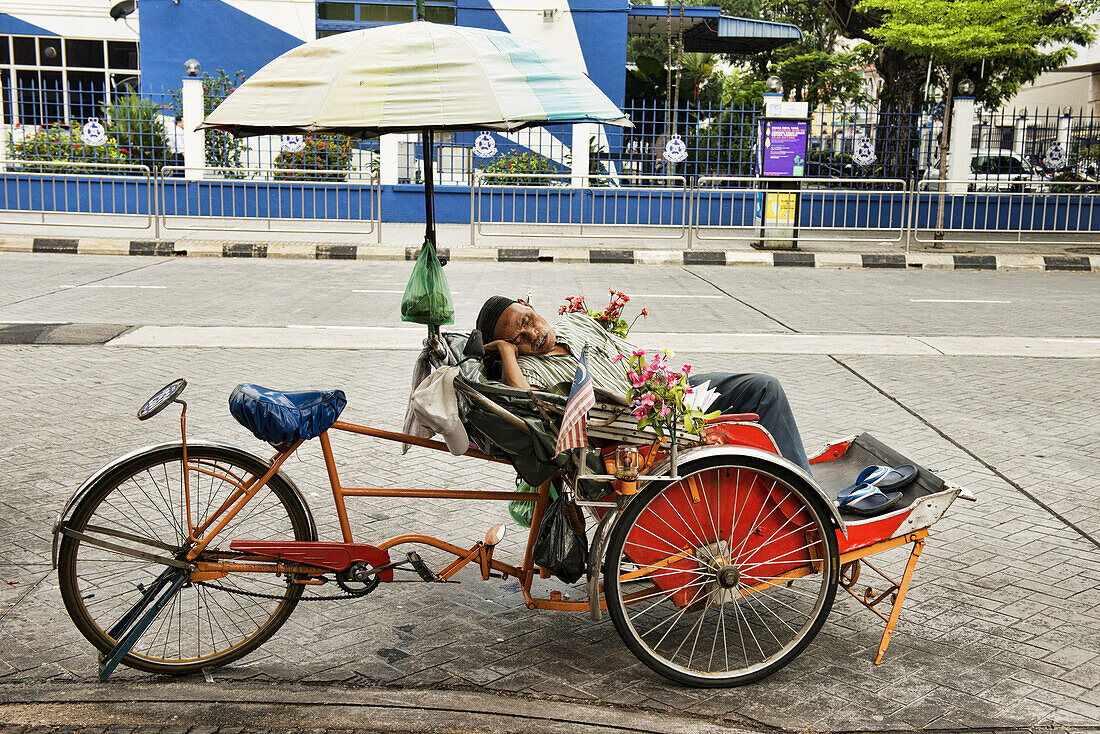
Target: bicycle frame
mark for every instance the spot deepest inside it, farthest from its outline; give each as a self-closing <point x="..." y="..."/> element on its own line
<point x="202" y="534"/>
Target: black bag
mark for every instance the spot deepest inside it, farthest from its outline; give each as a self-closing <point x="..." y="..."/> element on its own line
<point x="559" y="549"/>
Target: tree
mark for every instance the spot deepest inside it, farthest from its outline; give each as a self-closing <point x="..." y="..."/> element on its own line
<point x="823" y="78"/>
<point x="1015" y="40"/>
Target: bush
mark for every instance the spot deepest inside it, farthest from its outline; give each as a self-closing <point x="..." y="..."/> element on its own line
<point x="137" y="126"/>
<point x="58" y="143"/>
<point x="329" y="155"/>
<point x="523" y="162"/>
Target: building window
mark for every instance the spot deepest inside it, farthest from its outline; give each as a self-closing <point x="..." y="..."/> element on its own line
<point x="50" y="79"/>
<point x="338" y="16"/>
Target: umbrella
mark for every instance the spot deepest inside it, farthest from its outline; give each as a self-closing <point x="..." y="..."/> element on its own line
<point x="413" y="76"/>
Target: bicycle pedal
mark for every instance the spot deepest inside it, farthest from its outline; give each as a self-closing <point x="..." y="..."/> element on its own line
<point x="422" y="568"/>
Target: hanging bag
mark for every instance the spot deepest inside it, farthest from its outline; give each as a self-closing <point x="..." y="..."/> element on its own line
<point x="427" y="298"/>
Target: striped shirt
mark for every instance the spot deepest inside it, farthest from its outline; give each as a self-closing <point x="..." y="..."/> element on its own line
<point x="554" y="372"/>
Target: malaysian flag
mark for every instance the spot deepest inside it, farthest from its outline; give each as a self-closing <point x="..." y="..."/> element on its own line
<point x="574" y="429"/>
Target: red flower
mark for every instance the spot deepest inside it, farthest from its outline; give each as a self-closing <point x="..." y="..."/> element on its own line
<point x="645" y="313"/>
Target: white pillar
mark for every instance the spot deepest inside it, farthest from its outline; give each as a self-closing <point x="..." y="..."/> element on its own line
<point x="1019" y="134"/>
<point x="194" y="141"/>
<point x="960" y="153"/>
<point x="388" y="151"/>
<point x="1064" y="123"/>
<point x="582" y="134"/>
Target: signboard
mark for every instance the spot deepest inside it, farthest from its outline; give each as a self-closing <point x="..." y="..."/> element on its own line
<point x="780" y="108"/>
<point x="783" y="152"/>
<point x="780" y="208"/>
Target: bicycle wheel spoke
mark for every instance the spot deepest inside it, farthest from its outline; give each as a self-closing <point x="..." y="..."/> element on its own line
<point x="201" y="625"/>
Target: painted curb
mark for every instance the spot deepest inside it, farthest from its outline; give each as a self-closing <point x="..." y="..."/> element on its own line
<point x="1007" y="262"/>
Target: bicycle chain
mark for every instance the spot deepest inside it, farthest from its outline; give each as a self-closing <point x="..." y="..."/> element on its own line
<point x="260" y="595"/>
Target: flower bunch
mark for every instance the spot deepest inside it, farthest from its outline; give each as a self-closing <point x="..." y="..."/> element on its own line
<point x="657" y="394"/>
<point x="610" y="318"/>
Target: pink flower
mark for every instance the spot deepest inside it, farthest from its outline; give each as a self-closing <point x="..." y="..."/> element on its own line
<point x="664" y="411"/>
<point x="639" y="412"/>
<point x="639" y="352"/>
<point x="687" y="370"/>
<point x="616" y="359"/>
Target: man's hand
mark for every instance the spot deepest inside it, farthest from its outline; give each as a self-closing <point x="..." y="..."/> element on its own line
<point x="510" y="373"/>
<point x="503" y="348"/>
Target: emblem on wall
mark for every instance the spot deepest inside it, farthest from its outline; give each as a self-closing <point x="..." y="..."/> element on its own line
<point x="485" y="146"/>
<point x="676" y="150"/>
<point x="864" y="153"/>
<point x="93" y="133"/>
<point x="293" y="144"/>
<point x="1055" y="157"/>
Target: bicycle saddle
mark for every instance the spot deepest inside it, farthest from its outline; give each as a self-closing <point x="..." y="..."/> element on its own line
<point x="283" y="418"/>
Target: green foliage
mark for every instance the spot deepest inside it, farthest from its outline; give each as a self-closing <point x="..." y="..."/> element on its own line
<point x="329" y="155"/>
<point x="1015" y="40"/>
<point x="58" y="143"/>
<point x="522" y="162"/>
<point x="223" y="151"/>
<point x="136" y="125"/>
<point x="821" y="78"/>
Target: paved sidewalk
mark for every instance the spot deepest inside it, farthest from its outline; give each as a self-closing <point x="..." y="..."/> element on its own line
<point x="1001" y="630"/>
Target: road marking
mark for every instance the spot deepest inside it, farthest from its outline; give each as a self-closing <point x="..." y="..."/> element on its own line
<point x="670" y="295"/>
<point x="369" y="291"/>
<point x="412" y="338"/>
<point x="41" y="323"/>
<point x="951" y="300"/>
<point x="149" y="287"/>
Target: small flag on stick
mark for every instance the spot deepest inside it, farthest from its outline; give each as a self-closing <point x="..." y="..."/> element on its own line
<point x="574" y="424"/>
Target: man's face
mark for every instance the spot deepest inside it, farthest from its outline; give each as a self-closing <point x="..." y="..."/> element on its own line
<point x="521" y="326"/>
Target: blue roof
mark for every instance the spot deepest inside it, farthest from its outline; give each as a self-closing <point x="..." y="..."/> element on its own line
<point x="707" y="30"/>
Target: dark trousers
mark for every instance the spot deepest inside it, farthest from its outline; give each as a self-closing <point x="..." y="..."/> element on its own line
<point x="748" y="392"/>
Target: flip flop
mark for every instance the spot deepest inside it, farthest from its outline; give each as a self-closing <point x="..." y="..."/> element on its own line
<point x="886" y="478"/>
<point x="866" y="499"/>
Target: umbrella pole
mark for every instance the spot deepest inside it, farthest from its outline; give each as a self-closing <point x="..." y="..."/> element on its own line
<point x="428" y="145"/>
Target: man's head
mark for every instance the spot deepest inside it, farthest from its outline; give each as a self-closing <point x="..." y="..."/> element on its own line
<point x="515" y="322"/>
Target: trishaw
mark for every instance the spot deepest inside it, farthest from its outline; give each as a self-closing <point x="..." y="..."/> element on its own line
<point x="717" y="559"/>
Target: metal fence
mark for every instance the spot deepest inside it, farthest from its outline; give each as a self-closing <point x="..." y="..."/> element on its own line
<point x="952" y="212"/>
<point x="65" y="193"/>
<point x="549" y="205"/>
<point x="731" y="208"/>
<point x="284" y="200"/>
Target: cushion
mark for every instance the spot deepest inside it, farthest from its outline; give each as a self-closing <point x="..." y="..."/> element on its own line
<point x="284" y="418"/>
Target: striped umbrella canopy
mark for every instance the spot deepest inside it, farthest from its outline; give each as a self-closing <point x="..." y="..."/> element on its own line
<point x="413" y="76"/>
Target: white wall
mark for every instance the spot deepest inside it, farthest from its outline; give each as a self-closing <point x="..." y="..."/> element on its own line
<point x="74" y="18"/>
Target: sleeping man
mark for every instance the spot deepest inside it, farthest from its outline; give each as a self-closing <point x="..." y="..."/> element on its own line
<point x="535" y="355"/>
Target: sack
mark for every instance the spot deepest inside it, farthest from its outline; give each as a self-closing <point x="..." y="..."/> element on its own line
<point x="427" y="298"/>
<point x="523" y="510"/>
<point x="558" y="549"/>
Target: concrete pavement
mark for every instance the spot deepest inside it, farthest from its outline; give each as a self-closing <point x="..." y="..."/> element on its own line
<point x="1001" y="629"/>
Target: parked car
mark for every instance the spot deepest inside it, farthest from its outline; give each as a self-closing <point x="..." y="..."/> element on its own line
<point x="1000" y="170"/>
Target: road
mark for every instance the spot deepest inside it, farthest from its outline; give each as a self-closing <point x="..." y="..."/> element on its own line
<point x="1002" y="626"/>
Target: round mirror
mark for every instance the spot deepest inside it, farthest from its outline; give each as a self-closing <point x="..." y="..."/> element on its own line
<point x="165" y="395"/>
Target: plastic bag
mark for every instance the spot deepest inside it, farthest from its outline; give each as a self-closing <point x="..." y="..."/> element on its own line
<point x="559" y="549"/>
<point x="427" y="298"/>
<point x="523" y="510"/>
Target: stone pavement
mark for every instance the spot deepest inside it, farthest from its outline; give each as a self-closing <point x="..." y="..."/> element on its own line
<point x="1001" y="629"/>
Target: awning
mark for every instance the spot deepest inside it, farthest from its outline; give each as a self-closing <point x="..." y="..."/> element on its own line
<point x="708" y="31"/>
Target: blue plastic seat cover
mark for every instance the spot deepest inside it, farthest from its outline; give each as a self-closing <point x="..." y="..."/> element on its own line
<point x="283" y="418"/>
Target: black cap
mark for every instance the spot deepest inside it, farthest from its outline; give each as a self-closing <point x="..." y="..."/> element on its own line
<point x="490" y="314"/>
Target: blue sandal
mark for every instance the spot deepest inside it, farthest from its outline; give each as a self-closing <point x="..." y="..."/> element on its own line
<point x="866" y="499"/>
<point x="886" y="478"/>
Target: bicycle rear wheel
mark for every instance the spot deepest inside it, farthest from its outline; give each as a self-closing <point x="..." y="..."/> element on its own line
<point x="140" y="505"/>
<point x="723" y="577"/>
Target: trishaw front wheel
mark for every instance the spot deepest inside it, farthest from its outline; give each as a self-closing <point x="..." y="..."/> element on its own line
<point x="137" y="512"/>
<point x="725" y="576"/>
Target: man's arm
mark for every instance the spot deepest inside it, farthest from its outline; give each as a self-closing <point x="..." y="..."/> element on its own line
<point x="511" y="374"/>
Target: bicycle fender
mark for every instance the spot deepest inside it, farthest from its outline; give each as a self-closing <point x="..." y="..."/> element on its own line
<point x="595" y="560"/>
<point x="702" y="452"/>
<point x="90" y="482"/>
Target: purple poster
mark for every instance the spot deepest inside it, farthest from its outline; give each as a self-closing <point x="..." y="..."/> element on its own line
<point x="783" y="152"/>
